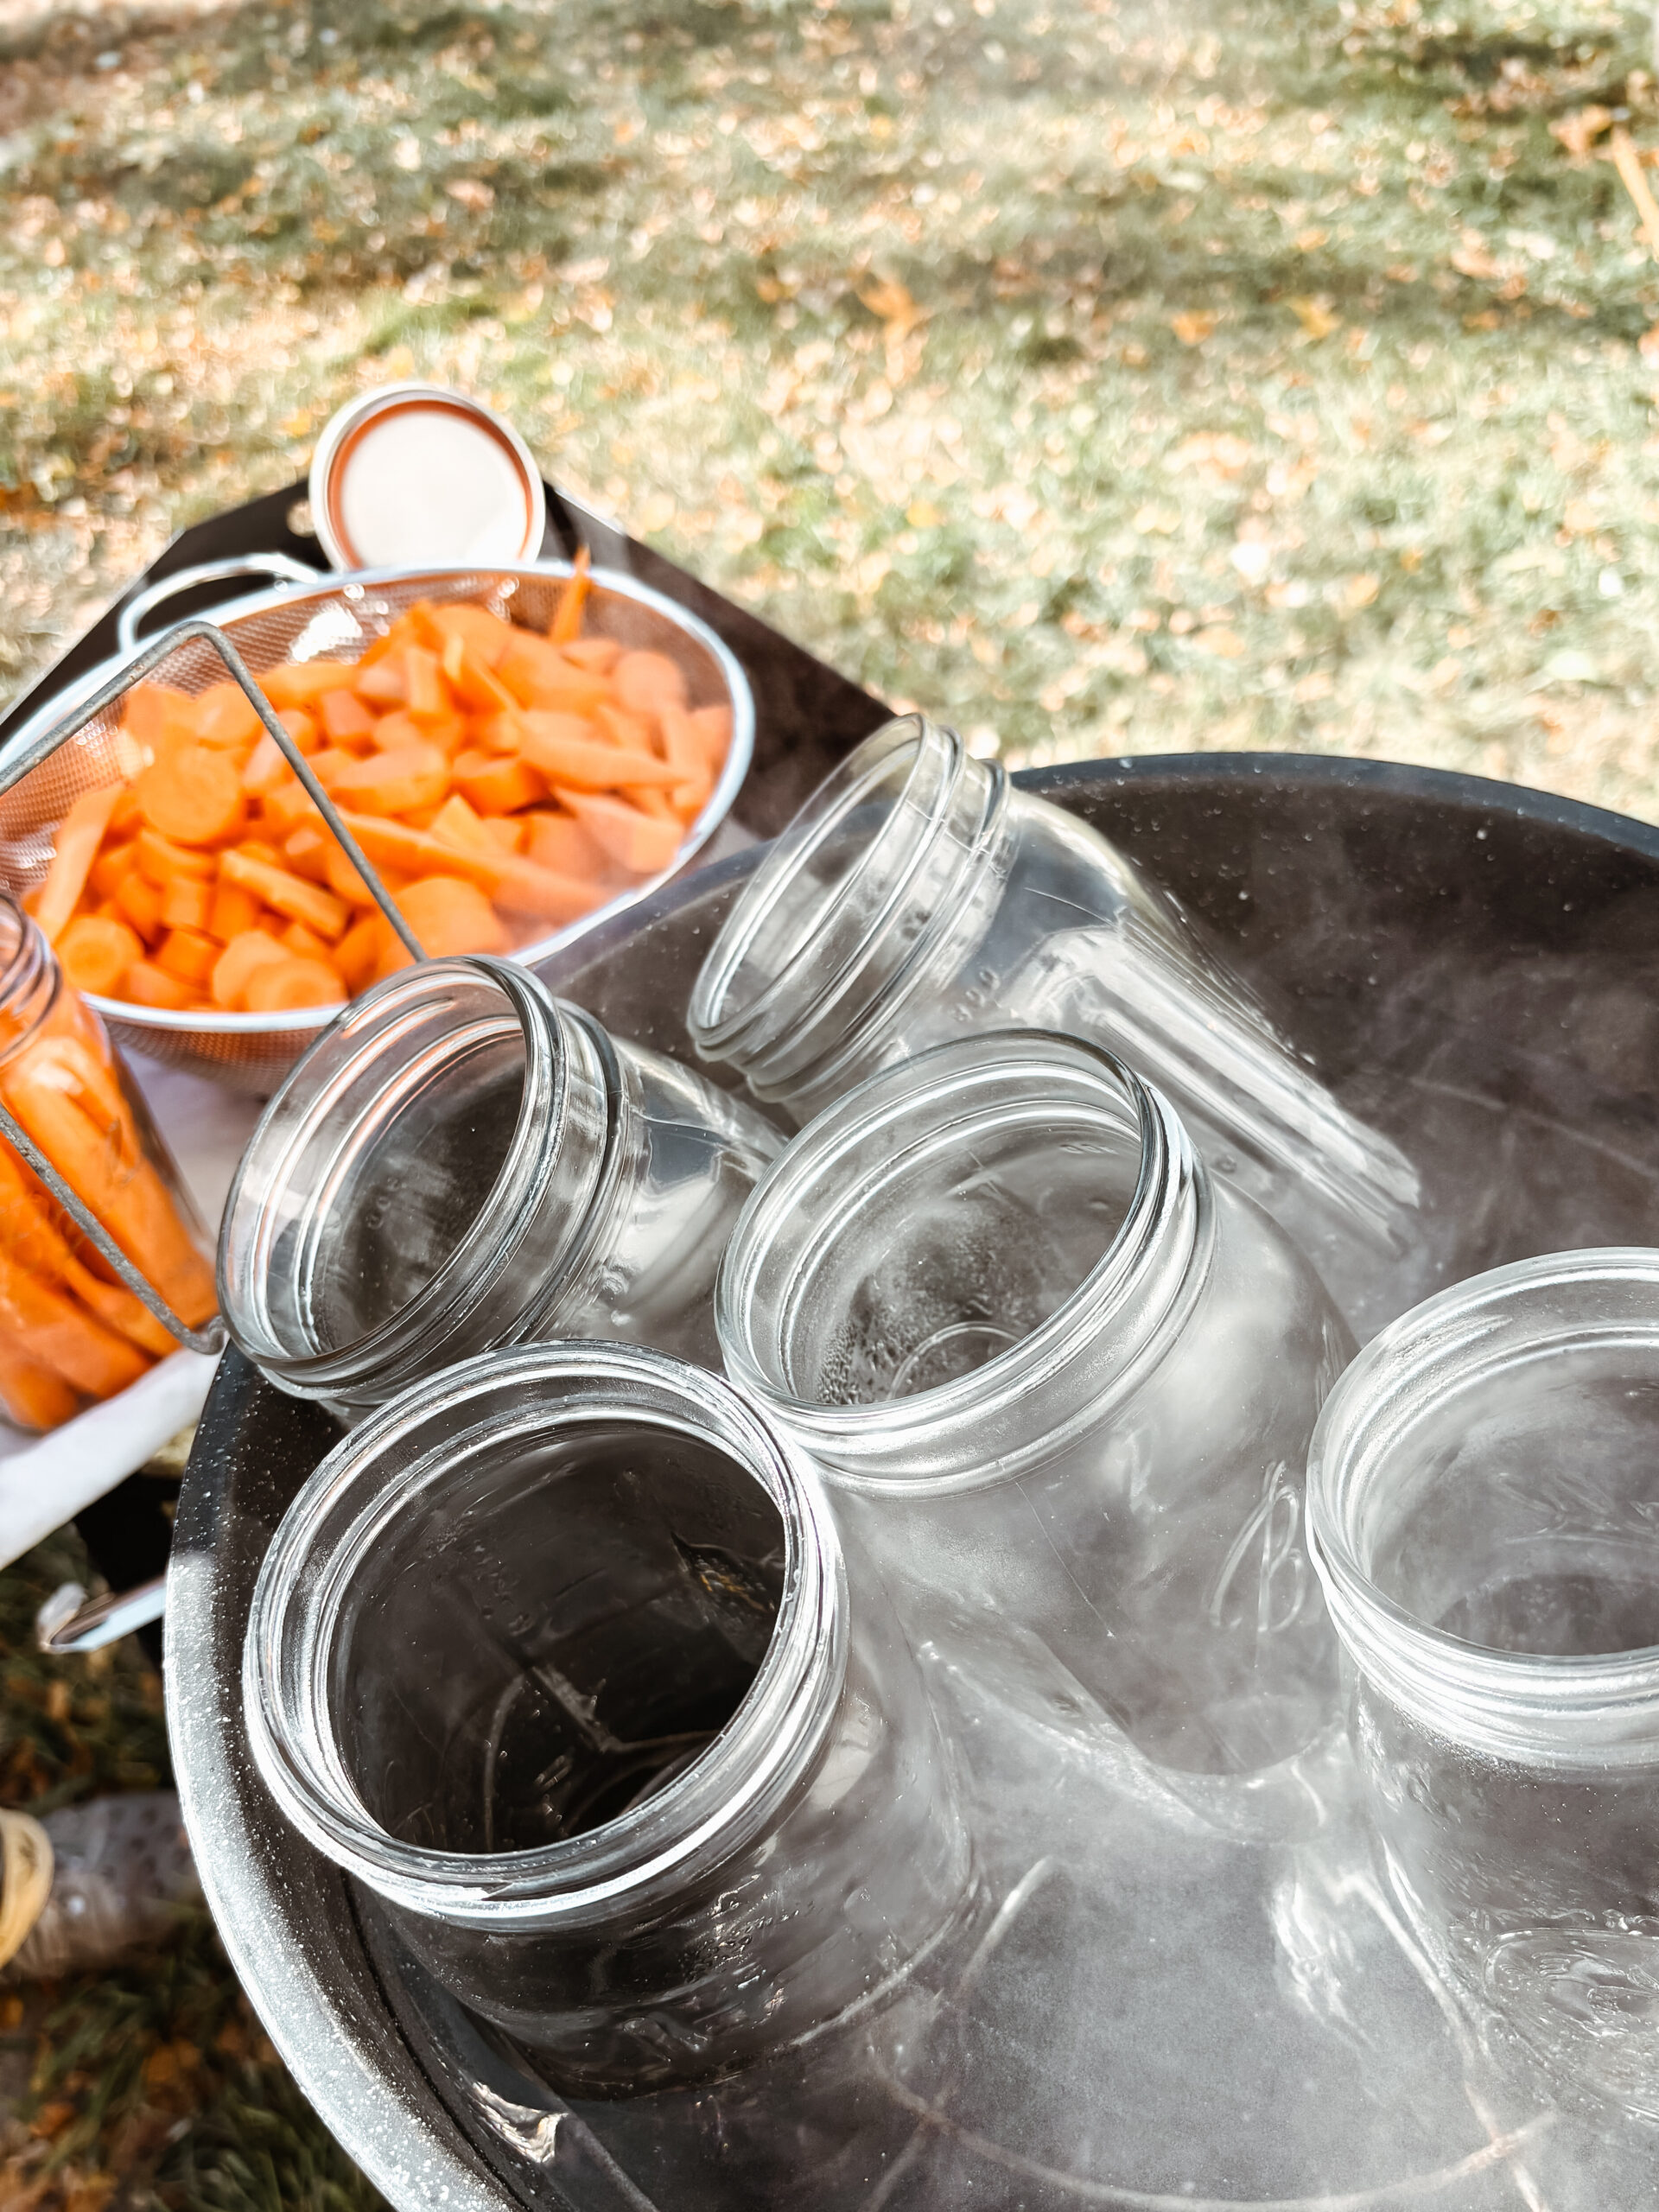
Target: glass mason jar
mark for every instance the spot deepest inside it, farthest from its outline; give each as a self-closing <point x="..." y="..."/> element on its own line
<point x="70" y="1333"/>
<point x="1058" y="1379"/>
<point x="558" y="1655"/>
<point x="918" y="894"/>
<point x="462" y="1160"/>
<point x="1482" y="1512"/>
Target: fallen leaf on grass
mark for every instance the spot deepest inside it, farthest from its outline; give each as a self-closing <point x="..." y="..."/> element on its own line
<point x="1579" y="132"/>
<point x="1315" y="317"/>
<point x="471" y="191"/>
<point x="1194" y="327"/>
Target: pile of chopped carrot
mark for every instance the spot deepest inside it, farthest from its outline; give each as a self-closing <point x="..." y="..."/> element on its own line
<point x="501" y="783"/>
<point x="69" y="1331"/>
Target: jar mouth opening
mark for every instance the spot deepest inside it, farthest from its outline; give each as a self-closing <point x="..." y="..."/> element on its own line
<point x="909" y="768"/>
<point x="461" y="1423"/>
<point x="900" y="1127"/>
<point x="1501" y="1331"/>
<point x="294" y="1135"/>
<point x="26" y="963"/>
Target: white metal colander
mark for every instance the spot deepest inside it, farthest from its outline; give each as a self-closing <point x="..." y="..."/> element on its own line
<point x="337" y="621"/>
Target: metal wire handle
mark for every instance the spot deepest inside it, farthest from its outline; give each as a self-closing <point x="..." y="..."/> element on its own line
<point x="211" y="1339"/>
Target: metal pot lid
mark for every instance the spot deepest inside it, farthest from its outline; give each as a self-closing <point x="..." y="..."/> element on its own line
<point x="412" y="475"/>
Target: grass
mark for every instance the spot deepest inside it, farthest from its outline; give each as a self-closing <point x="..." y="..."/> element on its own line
<point x="1105" y="377"/>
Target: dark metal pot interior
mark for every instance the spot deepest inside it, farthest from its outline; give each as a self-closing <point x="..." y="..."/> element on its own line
<point x="1472" y="965"/>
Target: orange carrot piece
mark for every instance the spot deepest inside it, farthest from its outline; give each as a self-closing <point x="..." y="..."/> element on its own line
<point x="586" y="765"/>
<point x="95" y="953"/>
<point x="304" y="944"/>
<point x="449" y="915"/>
<point x="598" y="655"/>
<point x="504" y="831"/>
<point x="282" y="811"/>
<point x="146" y="984"/>
<point x="140" y="903"/>
<point x="300" y="726"/>
<point x="393" y="845"/>
<point x="300" y="683"/>
<point x="74" y="847"/>
<point x="188" y="954"/>
<point x="35" y="1397"/>
<point x="426" y="695"/>
<point x="289" y="894"/>
<point x="161" y="862"/>
<point x="394" y="783"/>
<point x="713" y="728"/>
<point x="192" y="796"/>
<point x="636" y="842"/>
<point x="185" y="903"/>
<point x="233" y="910"/>
<point x="157" y="715"/>
<point x="61" y="1334"/>
<point x="380" y="684"/>
<point x="632" y="733"/>
<point x="485" y="635"/>
<point x="280" y="985"/>
<point x="559" y="842"/>
<point x="646" y="682"/>
<point x="107" y="870"/>
<point x="265" y="769"/>
<point x="538" y="675"/>
<point x="538" y="892"/>
<point x="652" y="802"/>
<point x="234" y="968"/>
<point x="358" y="953"/>
<point x="306" y="851"/>
<point x="343" y="717"/>
<point x="566" y="615"/>
<point x="497" y="783"/>
<point x="223" y="718"/>
<point x="457" y="824"/>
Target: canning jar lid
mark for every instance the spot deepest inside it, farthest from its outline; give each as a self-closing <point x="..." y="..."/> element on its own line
<point x="413" y="474"/>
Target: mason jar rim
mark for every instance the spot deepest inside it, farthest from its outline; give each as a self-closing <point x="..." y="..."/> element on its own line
<point x="701" y="1818"/>
<point x="720" y="1029"/>
<point x="489" y="1237"/>
<point x="1572" y="1710"/>
<point x="1144" y="1281"/>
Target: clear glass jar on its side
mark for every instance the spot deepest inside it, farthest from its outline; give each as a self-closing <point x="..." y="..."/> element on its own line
<point x="559" y="1656"/>
<point x="1060" y="1382"/>
<point x="70" y="1333"/>
<point x="461" y="1161"/>
<point x="1484" y="1512"/>
<point x="918" y="894"/>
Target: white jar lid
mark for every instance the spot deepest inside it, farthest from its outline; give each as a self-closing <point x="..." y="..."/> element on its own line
<point x="412" y="475"/>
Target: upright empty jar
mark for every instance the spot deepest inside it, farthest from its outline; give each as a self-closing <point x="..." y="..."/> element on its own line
<point x="1061" y="1382"/>
<point x="1483" y="1511"/>
<point x="917" y="895"/>
<point x="462" y="1160"/>
<point x="559" y="1657"/>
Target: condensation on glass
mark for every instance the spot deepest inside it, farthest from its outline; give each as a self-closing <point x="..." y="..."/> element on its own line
<point x="559" y="1656"/>
<point x="918" y="894"/>
<point x="1483" y="1508"/>
<point x="462" y="1160"/>
<point x="1062" y="1382"/>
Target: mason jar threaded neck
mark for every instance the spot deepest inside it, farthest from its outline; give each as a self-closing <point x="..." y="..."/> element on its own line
<point x="849" y="908"/>
<point x="30" y="979"/>
<point x="1373" y="1445"/>
<point x="792" y="1255"/>
<point x="363" y="1101"/>
<point x="405" y="1460"/>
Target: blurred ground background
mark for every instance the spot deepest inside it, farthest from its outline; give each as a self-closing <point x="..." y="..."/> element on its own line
<point x="1104" y="377"/>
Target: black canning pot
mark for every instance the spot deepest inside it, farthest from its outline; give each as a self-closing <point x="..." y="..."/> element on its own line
<point x="1472" y="965"/>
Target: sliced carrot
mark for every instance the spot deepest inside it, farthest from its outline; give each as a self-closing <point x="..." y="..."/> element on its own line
<point x="560" y="843"/>
<point x="146" y="984"/>
<point x="188" y="954"/>
<point x="652" y="802"/>
<point x="223" y="718"/>
<point x="713" y="727"/>
<point x="566" y="615"/>
<point x="451" y="916"/>
<point x="140" y="903"/>
<point x="485" y="634"/>
<point x="393" y="845"/>
<point x="288" y="894"/>
<point x="598" y="655"/>
<point x="539" y="674"/>
<point x="457" y="824"/>
<point x="358" y="953"/>
<point x="538" y="892"/>
<point x="62" y="1336"/>
<point x="300" y="683"/>
<point x="185" y="903"/>
<point x="265" y="769"/>
<point x="301" y="727"/>
<point x="192" y="796"/>
<point x="632" y="733"/>
<point x="504" y="831"/>
<point x="426" y="695"/>
<point x="586" y="766"/>
<point x="381" y="684"/>
<point x="306" y="851"/>
<point x="107" y="870"/>
<point x="343" y="879"/>
<point x="35" y="1397"/>
<point x="233" y="910"/>
<point x="162" y="862"/>
<point x="634" y="841"/>
<point x="304" y="944"/>
<point x="157" y="715"/>
<point x="497" y="783"/>
<point x="647" y="682"/>
<point x="74" y="849"/>
<point x="95" y="954"/>
<point x="235" y="966"/>
<point x="283" y="809"/>
<point x="394" y="783"/>
<point x="279" y="986"/>
<point x="343" y="716"/>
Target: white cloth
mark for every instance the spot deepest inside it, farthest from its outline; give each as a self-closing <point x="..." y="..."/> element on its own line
<point x="46" y="1480"/>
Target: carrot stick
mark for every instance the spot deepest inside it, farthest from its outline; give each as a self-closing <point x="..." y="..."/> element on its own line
<point x="34" y="1397"/>
<point x="289" y="894"/>
<point x="74" y="849"/>
<point x="449" y="915"/>
<point x="62" y="1336"/>
<point x="566" y="615"/>
<point x="590" y="767"/>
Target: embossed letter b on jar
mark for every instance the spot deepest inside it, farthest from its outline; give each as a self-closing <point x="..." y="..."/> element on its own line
<point x="918" y="894"/>
<point x="1060" y="1380"/>
<point x="462" y="1160"/>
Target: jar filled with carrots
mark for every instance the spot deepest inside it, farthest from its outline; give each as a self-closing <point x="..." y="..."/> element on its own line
<point x="71" y="1333"/>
